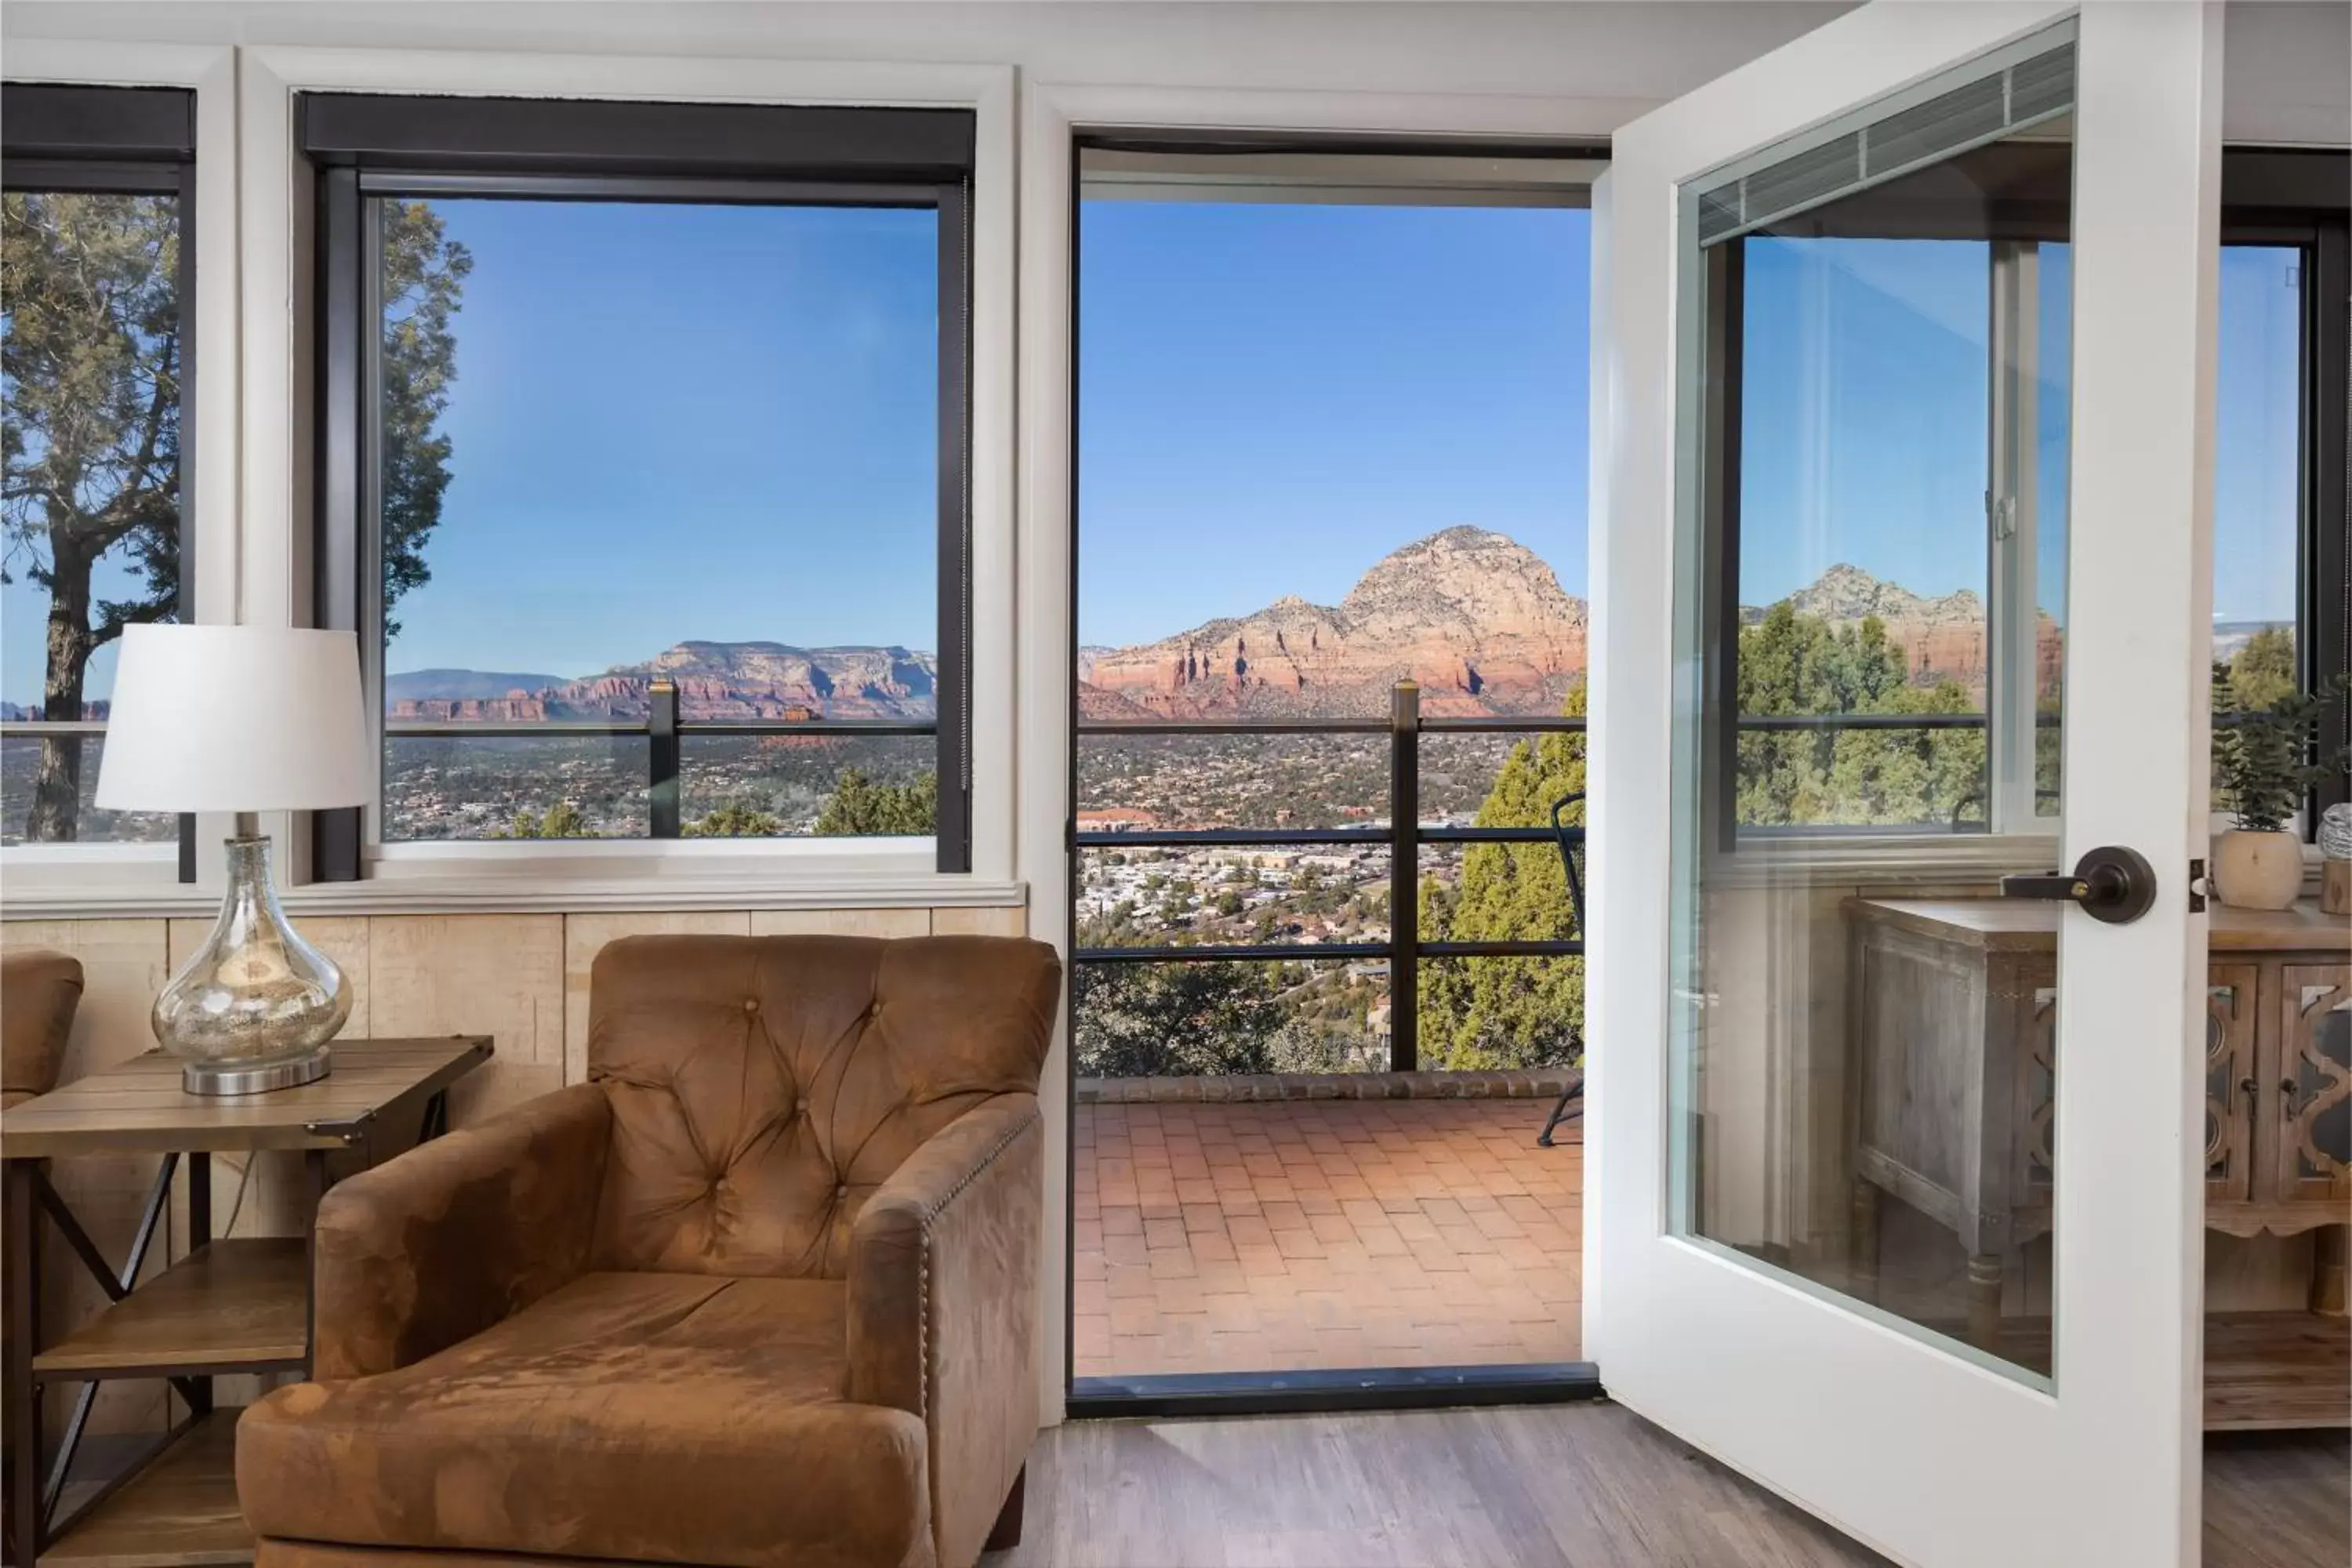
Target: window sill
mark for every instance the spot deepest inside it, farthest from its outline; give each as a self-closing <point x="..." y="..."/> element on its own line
<point x="526" y="878"/>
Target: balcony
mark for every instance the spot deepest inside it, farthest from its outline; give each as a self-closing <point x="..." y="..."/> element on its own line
<point x="1313" y="1222"/>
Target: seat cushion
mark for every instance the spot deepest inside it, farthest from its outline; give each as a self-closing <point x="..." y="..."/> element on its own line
<point x="687" y="1418"/>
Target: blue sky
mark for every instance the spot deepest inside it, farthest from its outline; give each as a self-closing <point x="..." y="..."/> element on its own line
<point x="675" y="422"/>
<point x="709" y="422"/>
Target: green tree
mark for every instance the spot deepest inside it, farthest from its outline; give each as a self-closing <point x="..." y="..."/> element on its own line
<point x="424" y="279"/>
<point x="736" y="819"/>
<point x="2263" y="672"/>
<point x="861" y="806"/>
<point x="562" y="820"/>
<point x="1488" y="1012"/>
<point x="1175" y="1020"/>
<point x="92" y="365"/>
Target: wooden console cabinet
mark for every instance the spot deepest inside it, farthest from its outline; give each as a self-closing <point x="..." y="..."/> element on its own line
<point x="1953" y="1010"/>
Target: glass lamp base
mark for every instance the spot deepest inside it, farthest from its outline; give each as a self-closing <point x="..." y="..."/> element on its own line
<point x="253" y="1008"/>
<point x="261" y="1078"/>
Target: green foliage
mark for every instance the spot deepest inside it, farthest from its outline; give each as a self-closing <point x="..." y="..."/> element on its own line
<point x="2264" y="752"/>
<point x="861" y="806"/>
<point x="89" y="450"/>
<point x="2263" y="673"/>
<point x="424" y="276"/>
<point x="562" y="820"/>
<point x="1791" y="664"/>
<point x="736" y="819"/>
<point x="1492" y="1013"/>
<point x="1185" y="1020"/>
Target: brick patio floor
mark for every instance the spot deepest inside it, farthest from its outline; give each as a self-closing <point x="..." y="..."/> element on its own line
<point x="1308" y="1234"/>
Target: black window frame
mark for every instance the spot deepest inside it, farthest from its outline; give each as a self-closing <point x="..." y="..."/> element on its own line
<point x="2302" y="198"/>
<point x="361" y="146"/>
<point x="78" y="138"/>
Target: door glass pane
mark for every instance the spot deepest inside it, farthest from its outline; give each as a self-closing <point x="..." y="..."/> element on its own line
<point x="1870" y="646"/>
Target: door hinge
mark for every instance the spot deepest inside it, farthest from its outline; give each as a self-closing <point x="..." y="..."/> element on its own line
<point x="2197" y="888"/>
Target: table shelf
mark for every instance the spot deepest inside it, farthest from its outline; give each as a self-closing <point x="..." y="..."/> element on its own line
<point x="180" y="1512"/>
<point x="229" y="1305"/>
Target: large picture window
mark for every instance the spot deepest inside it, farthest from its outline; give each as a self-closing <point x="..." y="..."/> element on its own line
<point x="641" y="466"/>
<point x="97" y="280"/>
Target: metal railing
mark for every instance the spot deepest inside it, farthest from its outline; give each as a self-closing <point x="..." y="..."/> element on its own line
<point x="1404" y="836"/>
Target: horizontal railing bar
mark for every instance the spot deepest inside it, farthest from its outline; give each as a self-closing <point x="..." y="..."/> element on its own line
<point x="1862" y="721"/>
<point x="1488" y="835"/>
<point x="1506" y="724"/>
<point x="1239" y="952"/>
<point x="463" y="729"/>
<point x="35" y="727"/>
<point x="1563" y="948"/>
<point x="1179" y="837"/>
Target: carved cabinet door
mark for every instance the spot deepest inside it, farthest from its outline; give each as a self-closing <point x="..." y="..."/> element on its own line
<point x="2313" y="1092"/>
<point x="2232" y="1090"/>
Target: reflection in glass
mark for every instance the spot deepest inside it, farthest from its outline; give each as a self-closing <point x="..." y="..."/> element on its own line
<point x="2258" y="472"/>
<point x="1870" y="620"/>
<point x="90" y="370"/>
<point x="21" y="765"/>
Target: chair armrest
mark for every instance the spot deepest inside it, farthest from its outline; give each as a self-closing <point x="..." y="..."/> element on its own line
<point x="943" y="1306"/>
<point x="436" y="1246"/>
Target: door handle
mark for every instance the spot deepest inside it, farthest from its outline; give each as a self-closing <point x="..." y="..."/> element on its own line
<point x="2110" y="883"/>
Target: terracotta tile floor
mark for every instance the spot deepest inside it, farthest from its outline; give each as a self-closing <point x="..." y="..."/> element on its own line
<point x="1262" y="1237"/>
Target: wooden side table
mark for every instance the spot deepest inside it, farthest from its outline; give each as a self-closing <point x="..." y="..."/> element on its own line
<point x="228" y="1306"/>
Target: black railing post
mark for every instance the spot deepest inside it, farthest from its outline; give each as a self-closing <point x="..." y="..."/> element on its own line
<point x="1404" y="877"/>
<point x="661" y="727"/>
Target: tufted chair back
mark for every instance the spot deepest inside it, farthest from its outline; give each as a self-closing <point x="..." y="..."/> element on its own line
<point x="763" y="1086"/>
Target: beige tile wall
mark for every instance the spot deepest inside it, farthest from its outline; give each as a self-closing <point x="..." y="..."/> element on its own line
<point x="522" y="979"/>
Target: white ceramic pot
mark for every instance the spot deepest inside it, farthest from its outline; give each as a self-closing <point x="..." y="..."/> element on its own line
<point x="2258" y="870"/>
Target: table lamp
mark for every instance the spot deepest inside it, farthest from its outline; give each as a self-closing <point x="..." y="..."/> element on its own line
<point x="242" y="720"/>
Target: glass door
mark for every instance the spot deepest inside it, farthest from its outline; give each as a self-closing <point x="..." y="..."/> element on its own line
<point x="1900" y="651"/>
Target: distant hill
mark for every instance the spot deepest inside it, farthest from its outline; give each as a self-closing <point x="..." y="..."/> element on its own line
<point x="715" y="680"/>
<point x="1475" y="616"/>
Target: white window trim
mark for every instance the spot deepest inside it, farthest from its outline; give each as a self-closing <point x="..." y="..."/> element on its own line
<point x="1052" y="114"/>
<point x="209" y="515"/>
<point x="275" y="582"/>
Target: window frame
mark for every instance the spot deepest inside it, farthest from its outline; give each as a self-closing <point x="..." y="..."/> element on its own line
<point x="360" y="147"/>
<point x="2302" y="198"/>
<point x="90" y="137"/>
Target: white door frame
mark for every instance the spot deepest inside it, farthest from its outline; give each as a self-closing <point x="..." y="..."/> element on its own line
<point x="1051" y="115"/>
<point x="1930" y="1458"/>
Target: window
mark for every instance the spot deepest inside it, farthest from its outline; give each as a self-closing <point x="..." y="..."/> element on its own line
<point x="96" y="352"/>
<point x="1889" y="378"/>
<point x="2279" y="507"/>
<point x="642" y="467"/>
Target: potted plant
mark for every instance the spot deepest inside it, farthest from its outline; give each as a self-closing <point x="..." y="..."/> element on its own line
<point x="2262" y="771"/>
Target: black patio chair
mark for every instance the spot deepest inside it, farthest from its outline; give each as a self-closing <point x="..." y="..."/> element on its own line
<point x="1571" y="1102"/>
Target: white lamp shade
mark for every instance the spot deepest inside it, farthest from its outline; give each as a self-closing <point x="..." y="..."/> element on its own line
<point x="236" y="719"/>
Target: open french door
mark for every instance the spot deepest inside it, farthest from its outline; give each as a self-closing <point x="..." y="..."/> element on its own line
<point x="1902" y="407"/>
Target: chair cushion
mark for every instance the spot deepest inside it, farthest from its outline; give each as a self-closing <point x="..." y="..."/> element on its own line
<point x="763" y="1086"/>
<point x="690" y="1418"/>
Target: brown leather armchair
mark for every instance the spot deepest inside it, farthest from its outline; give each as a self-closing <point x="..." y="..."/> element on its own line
<point x="39" y="993"/>
<point x="762" y="1292"/>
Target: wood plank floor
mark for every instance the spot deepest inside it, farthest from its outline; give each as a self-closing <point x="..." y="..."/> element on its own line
<point x="1589" y="1485"/>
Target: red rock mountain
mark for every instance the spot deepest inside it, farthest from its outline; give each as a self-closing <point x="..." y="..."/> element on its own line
<point x="715" y="680"/>
<point x="1941" y="638"/>
<point x="1475" y="617"/>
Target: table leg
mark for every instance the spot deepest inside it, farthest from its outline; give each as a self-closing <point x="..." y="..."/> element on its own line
<point x="199" y="1391"/>
<point x="315" y="1177"/>
<point x="23" y="1338"/>
<point x="1862" y="1240"/>
<point x="1984" y="1299"/>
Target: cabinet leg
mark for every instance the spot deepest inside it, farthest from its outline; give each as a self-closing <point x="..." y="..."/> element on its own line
<point x="2327" y="1270"/>
<point x="1862" y="1242"/>
<point x="1984" y="1299"/>
<point x="1007" y="1533"/>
